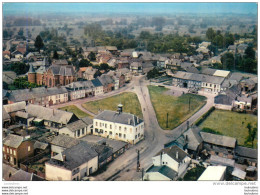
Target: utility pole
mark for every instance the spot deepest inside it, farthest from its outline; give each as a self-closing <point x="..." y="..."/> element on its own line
<point x="189" y="103"/>
<point x="138" y="160"/>
<point x="167" y="120"/>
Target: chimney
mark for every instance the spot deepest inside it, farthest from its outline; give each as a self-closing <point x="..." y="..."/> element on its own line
<point x="64" y="157"/>
<point x="129" y="121"/>
<point x="177" y="155"/>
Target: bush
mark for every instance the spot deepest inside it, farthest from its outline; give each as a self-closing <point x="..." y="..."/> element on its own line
<point x="209" y="130"/>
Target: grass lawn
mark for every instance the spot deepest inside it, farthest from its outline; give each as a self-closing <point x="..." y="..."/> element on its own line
<point x="129" y="100"/>
<point x="176" y="107"/>
<point x="79" y="113"/>
<point x="231" y="124"/>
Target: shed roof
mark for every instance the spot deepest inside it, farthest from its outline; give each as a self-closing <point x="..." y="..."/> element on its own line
<point x="217" y="160"/>
<point x="213" y="173"/>
<point x="218" y="139"/>
<point x="164" y="170"/>
<point x="64" y="141"/>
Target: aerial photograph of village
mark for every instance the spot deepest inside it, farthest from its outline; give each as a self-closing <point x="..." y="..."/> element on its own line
<point x="129" y="92"/>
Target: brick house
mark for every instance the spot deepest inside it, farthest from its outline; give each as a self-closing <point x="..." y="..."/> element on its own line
<point x="16" y="149"/>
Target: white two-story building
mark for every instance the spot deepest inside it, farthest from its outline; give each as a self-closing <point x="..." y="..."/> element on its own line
<point x="119" y="125"/>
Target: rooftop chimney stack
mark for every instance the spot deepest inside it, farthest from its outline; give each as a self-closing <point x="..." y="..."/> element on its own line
<point x="129" y="121"/>
<point x="177" y="155"/>
<point x="64" y="157"/>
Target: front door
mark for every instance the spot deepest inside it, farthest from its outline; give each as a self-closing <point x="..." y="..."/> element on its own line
<point x="90" y="170"/>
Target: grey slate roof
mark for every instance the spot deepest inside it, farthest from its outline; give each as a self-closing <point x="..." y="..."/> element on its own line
<point x="12" y="140"/>
<point x="39" y="92"/>
<point x="14" y="107"/>
<point x="67" y="70"/>
<point x="223" y="99"/>
<point x="22" y="114"/>
<point x="96" y="82"/>
<point x="164" y="170"/>
<point x="64" y="141"/>
<point x="218" y="139"/>
<point x="76" y="156"/>
<point x="74" y="126"/>
<point x="246" y="152"/>
<point x="105" y="79"/>
<point x="208" y="71"/>
<point x="58" y="116"/>
<point x="172" y="152"/>
<point x="21" y="175"/>
<point x="217" y="160"/>
<point x="8" y="170"/>
<point x="121" y="118"/>
<point x="193" y="138"/>
<point x="87" y="120"/>
<point x="5" y="115"/>
<point x="40" y="145"/>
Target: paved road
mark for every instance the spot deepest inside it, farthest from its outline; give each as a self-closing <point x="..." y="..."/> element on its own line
<point x="124" y="167"/>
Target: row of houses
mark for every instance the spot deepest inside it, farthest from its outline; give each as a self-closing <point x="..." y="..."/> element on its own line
<point x="81" y="89"/>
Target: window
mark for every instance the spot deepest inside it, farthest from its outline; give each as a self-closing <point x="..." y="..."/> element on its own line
<point x="110" y="126"/>
<point x="210" y="85"/>
<point x="11" y="151"/>
<point x="78" y="133"/>
<point x="11" y="159"/>
<point x="125" y="129"/>
<point x="105" y="125"/>
<point x="96" y="130"/>
<point x="83" y="131"/>
<point x="96" y="123"/>
<point x="136" y="129"/>
<point x="3" y="148"/>
<point x="7" y="149"/>
<point x="136" y="137"/>
<point x="101" y="130"/>
<point x="119" y="128"/>
<point x="124" y="136"/>
<point x="110" y="132"/>
<point x="29" y="148"/>
<point x="120" y="134"/>
<point x="138" y="134"/>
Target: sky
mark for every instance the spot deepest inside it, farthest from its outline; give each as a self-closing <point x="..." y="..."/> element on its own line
<point x="29" y="8"/>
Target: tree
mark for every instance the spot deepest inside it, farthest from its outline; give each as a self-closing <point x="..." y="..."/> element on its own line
<point x="104" y="66"/>
<point x="20" y="32"/>
<point x="153" y="73"/>
<point x="38" y="43"/>
<point x="210" y="34"/>
<point x="249" y="52"/>
<point x="92" y="56"/>
<point x="228" y="61"/>
<point x="20" y="68"/>
<point x="55" y="55"/>
<point x="84" y="63"/>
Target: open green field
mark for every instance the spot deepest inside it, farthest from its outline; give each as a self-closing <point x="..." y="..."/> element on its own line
<point x="176" y="107"/>
<point x="79" y="113"/>
<point x="129" y="100"/>
<point x="231" y="124"/>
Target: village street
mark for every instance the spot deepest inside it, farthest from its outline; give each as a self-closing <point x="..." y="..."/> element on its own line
<point x="124" y="167"/>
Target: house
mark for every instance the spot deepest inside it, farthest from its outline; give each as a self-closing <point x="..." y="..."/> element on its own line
<point x="17" y="54"/>
<point x="119" y="125"/>
<point x="112" y="49"/>
<point x="127" y="73"/>
<point x="118" y="147"/>
<point x="108" y="83"/>
<point x="16" y="149"/>
<point x="51" y="118"/>
<point x="40" y="96"/>
<point x="72" y="164"/>
<point x="87" y="73"/>
<point x="98" y="87"/>
<point x="118" y="77"/>
<point x="105" y="154"/>
<point x="242" y="48"/>
<point x="218" y="144"/>
<point x="78" y="128"/>
<point x="187" y="80"/>
<point x="62" y="142"/>
<point x="147" y="66"/>
<point x="248" y="85"/>
<point x="136" y="68"/>
<point x="213" y="173"/>
<point x="123" y="62"/>
<point x="168" y="164"/>
<point x="223" y="102"/>
<point x="76" y="90"/>
<point x="194" y="141"/>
